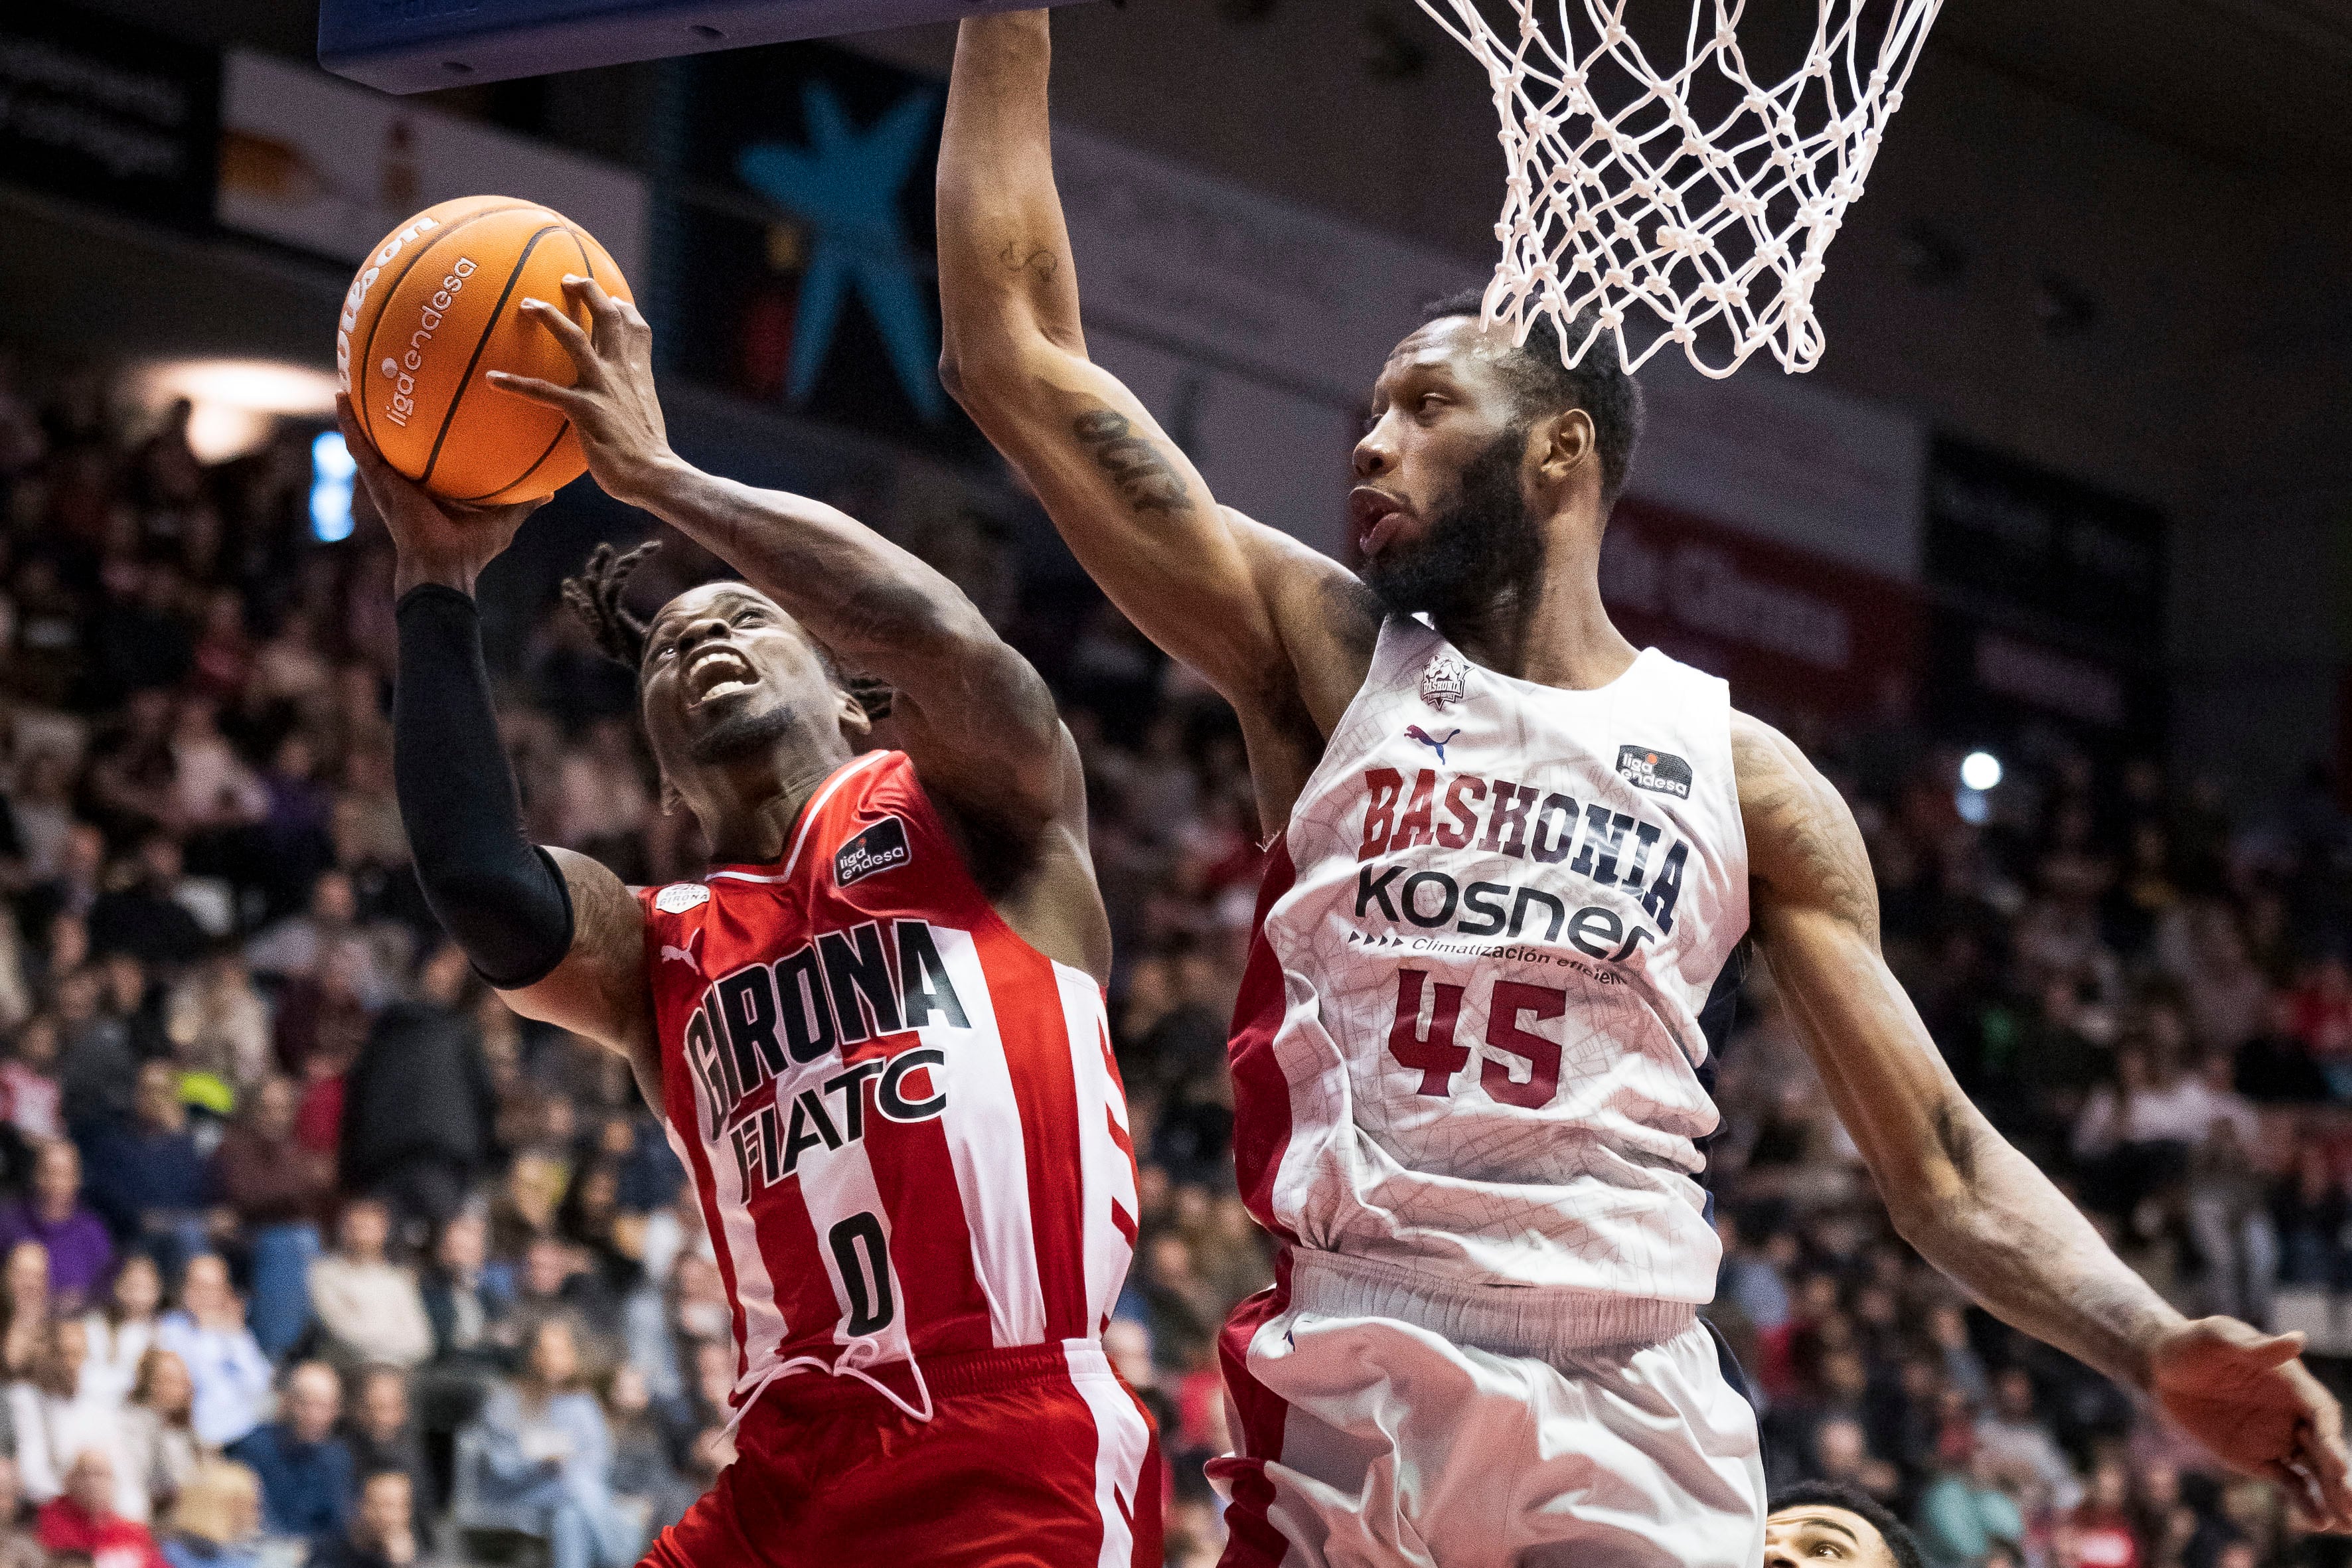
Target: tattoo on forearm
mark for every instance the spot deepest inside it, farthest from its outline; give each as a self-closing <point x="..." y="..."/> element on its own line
<point x="1147" y="480"/>
<point x="1037" y="261"/>
<point x="1958" y="1139"/>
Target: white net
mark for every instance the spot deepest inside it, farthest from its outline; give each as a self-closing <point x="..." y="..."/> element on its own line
<point x="1701" y="226"/>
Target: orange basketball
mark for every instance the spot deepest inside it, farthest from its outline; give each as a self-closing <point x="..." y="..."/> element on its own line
<point x="432" y="312"/>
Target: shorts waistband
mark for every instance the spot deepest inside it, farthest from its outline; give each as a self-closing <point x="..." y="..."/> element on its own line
<point x="1530" y="1321"/>
<point x="811" y="1389"/>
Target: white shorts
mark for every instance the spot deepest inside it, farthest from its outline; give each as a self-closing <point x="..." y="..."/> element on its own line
<point x="1367" y="1441"/>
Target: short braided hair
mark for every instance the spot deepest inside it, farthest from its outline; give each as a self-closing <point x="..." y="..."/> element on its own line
<point x="1901" y="1543"/>
<point x="594" y="597"/>
<point x="1542" y="386"/>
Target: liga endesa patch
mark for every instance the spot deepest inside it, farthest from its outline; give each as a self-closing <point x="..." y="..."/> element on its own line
<point x="1661" y="773"/>
<point x="881" y="847"/>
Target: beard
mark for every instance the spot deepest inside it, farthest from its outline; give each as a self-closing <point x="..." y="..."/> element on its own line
<point x="741" y="736"/>
<point x="1477" y="548"/>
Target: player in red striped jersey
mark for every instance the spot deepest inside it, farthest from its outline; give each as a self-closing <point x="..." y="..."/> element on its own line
<point x="874" y="1030"/>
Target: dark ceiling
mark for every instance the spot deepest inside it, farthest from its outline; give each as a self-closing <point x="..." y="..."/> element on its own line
<point x="2259" y="84"/>
<point x="2262" y="85"/>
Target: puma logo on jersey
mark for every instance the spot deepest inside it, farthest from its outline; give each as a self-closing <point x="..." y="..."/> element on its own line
<point x="881" y="847"/>
<point x="1434" y="743"/>
<point x="678" y="956"/>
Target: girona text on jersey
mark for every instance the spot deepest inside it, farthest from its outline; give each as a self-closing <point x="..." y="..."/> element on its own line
<point x="800" y="1023"/>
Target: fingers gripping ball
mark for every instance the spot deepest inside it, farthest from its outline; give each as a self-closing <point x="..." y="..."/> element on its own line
<point x="433" y="309"/>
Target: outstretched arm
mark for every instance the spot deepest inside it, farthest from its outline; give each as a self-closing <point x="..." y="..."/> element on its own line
<point x="554" y="930"/>
<point x="977" y="716"/>
<point x="1284" y="633"/>
<point x="1958" y="1192"/>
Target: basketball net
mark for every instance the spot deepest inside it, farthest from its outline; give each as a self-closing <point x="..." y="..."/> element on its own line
<point x="1660" y="224"/>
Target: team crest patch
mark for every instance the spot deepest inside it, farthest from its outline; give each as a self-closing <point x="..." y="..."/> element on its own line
<point x="1440" y="683"/>
<point x="680" y="897"/>
<point x="1661" y="773"/>
<point x="881" y="847"/>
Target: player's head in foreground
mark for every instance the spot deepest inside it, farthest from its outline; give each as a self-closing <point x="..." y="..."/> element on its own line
<point x="1822" y="1522"/>
<point x="1485" y="461"/>
<point x="737" y="698"/>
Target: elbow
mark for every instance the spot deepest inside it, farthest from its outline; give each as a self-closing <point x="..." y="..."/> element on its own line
<point x="1923" y="1201"/>
<point x="1915" y="1222"/>
<point x="980" y="365"/>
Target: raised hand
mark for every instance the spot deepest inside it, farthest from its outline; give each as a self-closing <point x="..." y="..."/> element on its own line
<point x="438" y="541"/>
<point x="2246" y="1395"/>
<point x="611" y="402"/>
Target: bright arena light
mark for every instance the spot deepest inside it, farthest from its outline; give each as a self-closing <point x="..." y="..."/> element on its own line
<point x="236" y="401"/>
<point x="332" y="471"/>
<point x="1980" y="769"/>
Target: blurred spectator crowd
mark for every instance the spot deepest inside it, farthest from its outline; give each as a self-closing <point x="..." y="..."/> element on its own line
<point x="310" y="1249"/>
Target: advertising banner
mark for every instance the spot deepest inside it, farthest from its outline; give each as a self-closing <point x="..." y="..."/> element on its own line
<point x="2051" y="595"/>
<point x="105" y="112"/>
<point x="314" y="162"/>
<point x="1787" y="459"/>
<point x="1991" y="682"/>
<point x="801" y="243"/>
<point x="1793" y="632"/>
<point x="2017" y="540"/>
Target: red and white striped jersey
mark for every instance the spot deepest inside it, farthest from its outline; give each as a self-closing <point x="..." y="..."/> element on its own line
<point x="904" y="1121"/>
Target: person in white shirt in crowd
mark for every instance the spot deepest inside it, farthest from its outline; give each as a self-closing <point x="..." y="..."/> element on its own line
<point x="123" y="1329"/>
<point x="300" y="946"/>
<point x="539" y="1459"/>
<point x="2137" y="1134"/>
<point x="43" y="801"/>
<point x="231" y="1376"/>
<point x="30" y="1093"/>
<point x="158" y="1441"/>
<point x="2016" y="1442"/>
<point x="58" y="1415"/>
<point x="218" y="1022"/>
<point x="24" y="1299"/>
<point x="369" y="1306"/>
<point x="211" y="785"/>
<point x="2228" y="1200"/>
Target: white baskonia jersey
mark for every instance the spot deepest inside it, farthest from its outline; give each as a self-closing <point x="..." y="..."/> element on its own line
<point x="1472" y="1044"/>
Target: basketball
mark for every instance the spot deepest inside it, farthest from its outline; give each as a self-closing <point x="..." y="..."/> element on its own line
<point x="433" y="309"/>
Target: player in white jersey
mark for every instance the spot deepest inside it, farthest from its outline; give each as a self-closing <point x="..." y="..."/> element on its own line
<point x="1517" y="856"/>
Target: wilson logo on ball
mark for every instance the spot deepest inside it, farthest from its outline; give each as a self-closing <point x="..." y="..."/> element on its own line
<point x="357" y="296"/>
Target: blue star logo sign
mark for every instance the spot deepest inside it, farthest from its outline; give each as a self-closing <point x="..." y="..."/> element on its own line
<point x="846" y="186"/>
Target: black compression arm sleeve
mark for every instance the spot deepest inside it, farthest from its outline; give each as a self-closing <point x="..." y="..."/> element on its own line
<point x="499" y="895"/>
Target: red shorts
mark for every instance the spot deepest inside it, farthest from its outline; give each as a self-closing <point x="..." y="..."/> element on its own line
<point x="1036" y="1457"/>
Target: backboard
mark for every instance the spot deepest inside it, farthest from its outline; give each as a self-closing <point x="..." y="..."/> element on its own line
<point x="416" y="46"/>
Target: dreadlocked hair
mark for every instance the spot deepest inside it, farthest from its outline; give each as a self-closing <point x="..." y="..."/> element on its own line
<point x="594" y="597"/>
